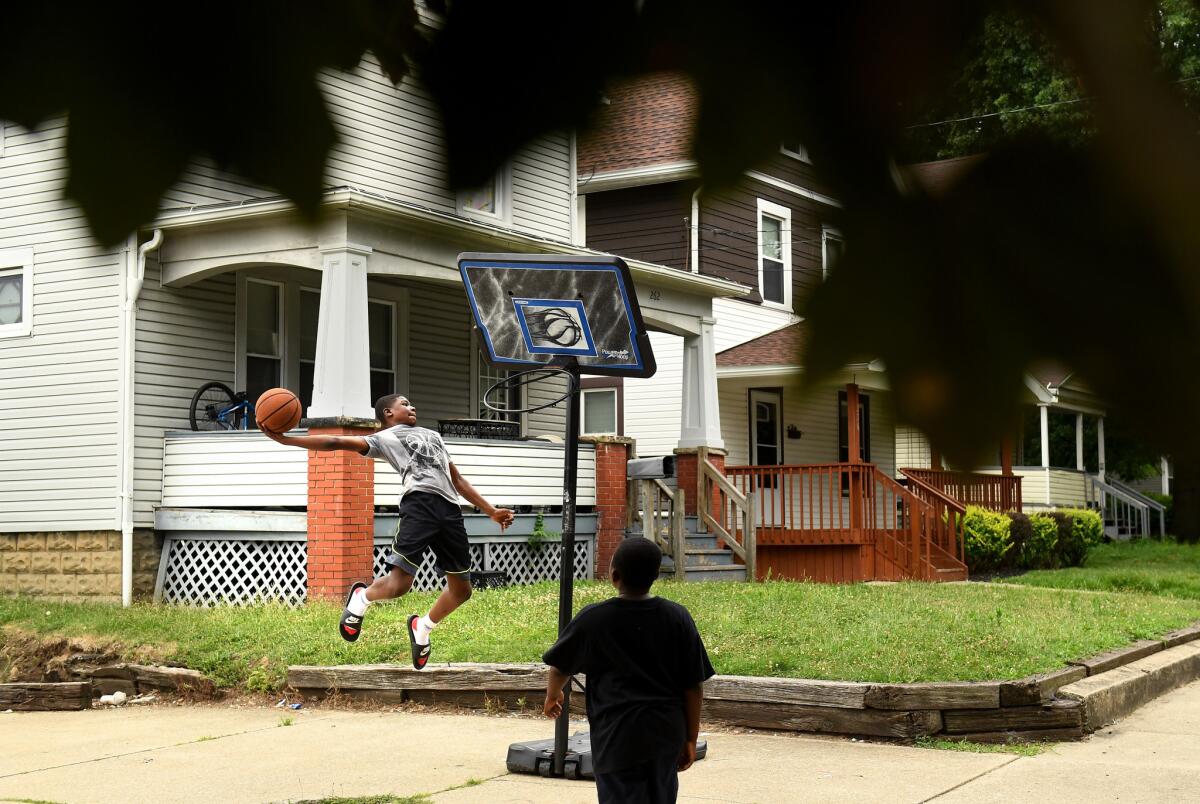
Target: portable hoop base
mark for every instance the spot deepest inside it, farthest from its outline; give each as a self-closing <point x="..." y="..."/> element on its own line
<point x="538" y="757"/>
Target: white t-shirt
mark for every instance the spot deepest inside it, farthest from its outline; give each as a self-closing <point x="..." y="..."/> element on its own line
<point x="419" y="455"/>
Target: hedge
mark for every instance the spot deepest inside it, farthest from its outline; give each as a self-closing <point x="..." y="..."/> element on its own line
<point x="1042" y="540"/>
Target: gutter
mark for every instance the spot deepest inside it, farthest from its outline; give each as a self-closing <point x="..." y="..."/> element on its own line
<point x="134" y="277"/>
<point x="694" y="262"/>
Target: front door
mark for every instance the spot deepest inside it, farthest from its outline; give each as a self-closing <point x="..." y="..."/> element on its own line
<point x="766" y="428"/>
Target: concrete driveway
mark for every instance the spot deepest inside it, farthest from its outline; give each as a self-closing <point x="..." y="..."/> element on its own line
<point x="227" y="754"/>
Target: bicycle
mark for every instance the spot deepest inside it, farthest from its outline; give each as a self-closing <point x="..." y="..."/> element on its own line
<point x="216" y="407"/>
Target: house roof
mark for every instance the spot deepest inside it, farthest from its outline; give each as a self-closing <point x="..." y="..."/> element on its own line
<point x="647" y="121"/>
<point x="782" y="347"/>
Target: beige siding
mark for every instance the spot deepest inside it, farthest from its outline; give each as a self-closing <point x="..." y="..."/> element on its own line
<point x="912" y="448"/>
<point x="439" y="376"/>
<point x="652" y="405"/>
<point x="59" y="386"/>
<point x="185" y="338"/>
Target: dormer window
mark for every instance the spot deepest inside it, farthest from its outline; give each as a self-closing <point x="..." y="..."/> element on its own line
<point x="795" y="150"/>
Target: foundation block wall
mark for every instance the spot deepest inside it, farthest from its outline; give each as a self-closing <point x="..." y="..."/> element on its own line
<point x="76" y="565"/>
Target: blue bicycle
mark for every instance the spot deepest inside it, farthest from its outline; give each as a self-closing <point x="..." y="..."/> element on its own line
<point x="216" y="407"/>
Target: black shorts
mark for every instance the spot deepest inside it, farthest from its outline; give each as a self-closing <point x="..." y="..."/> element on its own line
<point x="430" y="521"/>
<point x="655" y="781"/>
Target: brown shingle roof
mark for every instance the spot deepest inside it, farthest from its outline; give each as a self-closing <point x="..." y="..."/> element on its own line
<point x="781" y="347"/>
<point x="648" y="121"/>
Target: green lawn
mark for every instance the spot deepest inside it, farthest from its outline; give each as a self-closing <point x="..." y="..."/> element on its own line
<point x="1143" y="566"/>
<point x="900" y="632"/>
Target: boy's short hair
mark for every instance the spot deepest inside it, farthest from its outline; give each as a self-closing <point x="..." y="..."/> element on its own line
<point x="382" y="404"/>
<point x="638" y="560"/>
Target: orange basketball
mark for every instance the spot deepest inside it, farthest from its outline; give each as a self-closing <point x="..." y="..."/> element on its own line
<point x="277" y="410"/>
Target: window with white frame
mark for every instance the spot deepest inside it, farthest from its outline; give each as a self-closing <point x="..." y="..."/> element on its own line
<point x="832" y="247"/>
<point x="16" y="292"/>
<point x="775" y="253"/>
<point x="487" y="375"/>
<point x="381" y="328"/>
<point x="264" y="336"/>
<point x="795" y="150"/>
<point x="599" y="411"/>
<point x="489" y="201"/>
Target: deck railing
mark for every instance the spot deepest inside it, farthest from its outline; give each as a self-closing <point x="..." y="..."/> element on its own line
<point x="729" y="514"/>
<point x="660" y="513"/>
<point x="947" y="514"/>
<point x="995" y="492"/>
<point x="848" y="503"/>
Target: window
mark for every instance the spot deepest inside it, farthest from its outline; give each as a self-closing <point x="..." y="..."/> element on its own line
<point x="381" y="339"/>
<point x="488" y="201"/>
<point x="599" y="411"/>
<point x="775" y="253"/>
<point x="832" y="247"/>
<point x="310" y="311"/>
<point x="16" y="292"/>
<point x="602" y="406"/>
<point x="795" y="150"/>
<point x="264" y="336"/>
<point x="487" y="375"/>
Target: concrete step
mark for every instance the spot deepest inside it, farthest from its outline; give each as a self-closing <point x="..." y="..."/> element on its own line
<point x="709" y="558"/>
<point x="717" y="573"/>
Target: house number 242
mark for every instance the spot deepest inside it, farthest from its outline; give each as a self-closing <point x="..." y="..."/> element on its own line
<point x="656" y="295"/>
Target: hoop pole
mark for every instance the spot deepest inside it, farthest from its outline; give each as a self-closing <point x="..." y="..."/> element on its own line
<point x="566" y="581"/>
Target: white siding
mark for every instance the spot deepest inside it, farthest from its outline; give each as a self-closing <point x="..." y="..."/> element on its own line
<point x="652" y="405"/>
<point x="390" y="142"/>
<point x="816" y="416"/>
<point x="59" y="386"/>
<point x="739" y="321"/>
<point x="185" y="338"/>
<point x="549" y="421"/>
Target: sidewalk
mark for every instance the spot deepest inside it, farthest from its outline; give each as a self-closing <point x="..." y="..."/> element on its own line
<point x="223" y="754"/>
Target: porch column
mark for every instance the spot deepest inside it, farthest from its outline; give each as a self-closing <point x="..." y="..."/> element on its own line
<point x="342" y="374"/>
<point x="853" y="437"/>
<point x="612" y="496"/>
<point x="700" y="424"/>
<point x="1100" y="445"/>
<point x="341" y="512"/>
<point x="1009" y="501"/>
<point x="1079" y="442"/>
<point x="1165" y="470"/>
<point x="1006" y="456"/>
<point x="1044" y="410"/>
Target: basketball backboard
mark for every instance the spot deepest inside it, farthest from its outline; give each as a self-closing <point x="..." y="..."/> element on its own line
<point x="545" y="310"/>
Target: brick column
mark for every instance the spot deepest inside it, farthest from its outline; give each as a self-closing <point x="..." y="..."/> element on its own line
<point x="341" y="512"/>
<point x="612" y="452"/>
<point x="687" y="465"/>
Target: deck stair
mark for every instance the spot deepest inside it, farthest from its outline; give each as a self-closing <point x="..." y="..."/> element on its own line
<point x="659" y="513"/>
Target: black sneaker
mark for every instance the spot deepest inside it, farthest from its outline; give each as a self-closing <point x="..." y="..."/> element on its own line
<point x="420" y="653"/>
<point x="350" y="626"/>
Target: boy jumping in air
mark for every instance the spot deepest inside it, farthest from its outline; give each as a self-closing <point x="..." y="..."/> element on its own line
<point x="429" y="518"/>
<point x="645" y="665"/>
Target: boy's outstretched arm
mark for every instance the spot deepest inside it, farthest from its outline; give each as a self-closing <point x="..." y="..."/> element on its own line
<point x="501" y="516"/>
<point x="555" y="683"/>
<point x="321" y="443"/>
<point x="692" y="699"/>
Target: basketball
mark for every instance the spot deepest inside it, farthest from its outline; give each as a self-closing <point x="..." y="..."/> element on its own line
<point x="277" y="410"/>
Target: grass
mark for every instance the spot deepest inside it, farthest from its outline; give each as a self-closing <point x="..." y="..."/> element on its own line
<point x="892" y="633"/>
<point x="1143" y="567"/>
<point x="1020" y="749"/>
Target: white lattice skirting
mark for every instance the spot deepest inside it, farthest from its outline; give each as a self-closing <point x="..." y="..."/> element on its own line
<point x="239" y="570"/>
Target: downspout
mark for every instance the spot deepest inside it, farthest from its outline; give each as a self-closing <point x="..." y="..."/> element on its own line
<point x="695" y="233"/>
<point x="135" y="276"/>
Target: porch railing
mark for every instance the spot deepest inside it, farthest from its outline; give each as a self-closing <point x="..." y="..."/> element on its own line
<point x="660" y="512"/>
<point x="728" y="513"/>
<point x="948" y="513"/>
<point x="854" y="503"/>
<point x="1126" y="512"/>
<point x="995" y="492"/>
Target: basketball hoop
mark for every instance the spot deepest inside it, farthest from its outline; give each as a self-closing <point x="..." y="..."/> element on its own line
<point x="522" y="379"/>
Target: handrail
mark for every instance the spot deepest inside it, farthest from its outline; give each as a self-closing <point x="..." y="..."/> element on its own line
<point x="742" y="509"/>
<point x="934" y="491"/>
<point x="997" y="492"/>
<point x="651" y="494"/>
<point x="1132" y="501"/>
<point x="944" y="506"/>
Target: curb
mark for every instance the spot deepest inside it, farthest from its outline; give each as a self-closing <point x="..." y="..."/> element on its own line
<point x="1113" y="694"/>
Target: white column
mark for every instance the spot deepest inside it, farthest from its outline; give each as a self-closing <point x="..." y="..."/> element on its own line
<point x="1100" y="444"/>
<point x="1045" y="414"/>
<point x="1165" y="469"/>
<point x="700" y="422"/>
<point x="1079" y="442"/>
<point x="342" y="374"/>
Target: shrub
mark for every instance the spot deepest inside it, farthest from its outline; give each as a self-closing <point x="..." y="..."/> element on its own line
<point x="1038" y="551"/>
<point x="1088" y="525"/>
<point x="986" y="538"/>
<point x="1020" y="532"/>
<point x="1068" y="550"/>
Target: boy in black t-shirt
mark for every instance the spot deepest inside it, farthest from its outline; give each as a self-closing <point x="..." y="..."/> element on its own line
<point x="645" y="665"/>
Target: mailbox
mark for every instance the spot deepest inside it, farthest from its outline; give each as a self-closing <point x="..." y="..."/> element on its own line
<point x="648" y="468"/>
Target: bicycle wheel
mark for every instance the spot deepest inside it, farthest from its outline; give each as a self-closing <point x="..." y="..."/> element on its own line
<point x="209" y="400"/>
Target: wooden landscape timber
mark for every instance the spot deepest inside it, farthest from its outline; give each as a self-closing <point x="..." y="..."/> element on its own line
<point x="1119" y="657"/>
<point x="936" y="695"/>
<point x="844" y="694"/>
<point x="1038" y="689"/>
<point x="824" y="719"/>
<point x="1056" y="715"/>
<point x="468" y="676"/>
<point x="46" y="697"/>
